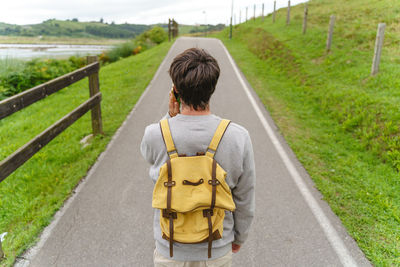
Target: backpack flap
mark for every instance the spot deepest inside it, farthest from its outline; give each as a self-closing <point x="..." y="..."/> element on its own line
<point x="186" y="197"/>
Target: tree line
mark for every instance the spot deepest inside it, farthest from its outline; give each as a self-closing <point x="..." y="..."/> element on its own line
<point x="74" y="28"/>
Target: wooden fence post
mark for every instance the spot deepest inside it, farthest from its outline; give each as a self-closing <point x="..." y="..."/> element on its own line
<point x="175" y="29"/>
<point x="246" y="13"/>
<point x="254" y="18"/>
<point x="169" y="30"/>
<point x="240" y="16"/>
<point x="94" y="88"/>
<point x="288" y="14"/>
<point x="172" y="29"/>
<point x="230" y="29"/>
<point x="273" y="14"/>
<point x="305" y="18"/>
<point x="378" y="48"/>
<point x="1" y="251"/>
<point x="262" y="12"/>
<point x="330" y="33"/>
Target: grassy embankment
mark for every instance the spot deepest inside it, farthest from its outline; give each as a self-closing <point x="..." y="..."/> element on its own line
<point x="342" y="123"/>
<point x="33" y="193"/>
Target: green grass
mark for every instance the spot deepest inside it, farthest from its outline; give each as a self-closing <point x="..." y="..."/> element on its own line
<point x="32" y="194"/>
<point x="342" y="123"/>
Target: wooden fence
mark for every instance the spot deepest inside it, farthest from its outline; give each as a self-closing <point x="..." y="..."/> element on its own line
<point x="173" y="29"/>
<point x="28" y="97"/>
<point x="379" y="36"/>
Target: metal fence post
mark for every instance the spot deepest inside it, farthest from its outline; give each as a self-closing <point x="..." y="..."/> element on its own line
<point x="378" y="48"/>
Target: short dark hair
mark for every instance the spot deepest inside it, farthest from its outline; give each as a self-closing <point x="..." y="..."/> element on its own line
<point x="195" y="74"/>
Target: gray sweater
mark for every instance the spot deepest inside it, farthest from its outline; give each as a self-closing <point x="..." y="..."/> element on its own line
<point x="192" y="134"/>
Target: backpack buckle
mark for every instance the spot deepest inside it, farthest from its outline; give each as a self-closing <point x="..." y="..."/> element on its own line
<point x="208" y="211"/>
<point x="169" y="214"/>
<point x="213" y="182"/>
<point x="169" y="184"/>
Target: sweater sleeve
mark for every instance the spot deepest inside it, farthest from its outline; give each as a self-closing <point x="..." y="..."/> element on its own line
<point x="244" y="196"/>
<point x="146" y="146"/>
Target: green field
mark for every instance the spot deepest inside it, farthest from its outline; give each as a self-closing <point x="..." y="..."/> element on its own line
<point x="33" y="193"/>
<point x="343" y="124"/>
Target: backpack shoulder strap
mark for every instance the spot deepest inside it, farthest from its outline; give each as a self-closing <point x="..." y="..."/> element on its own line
<point x="167" y="137"/>
<point x="212" y="148"/>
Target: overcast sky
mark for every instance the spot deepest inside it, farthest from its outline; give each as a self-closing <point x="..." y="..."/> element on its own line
<point x="131" y="11"/>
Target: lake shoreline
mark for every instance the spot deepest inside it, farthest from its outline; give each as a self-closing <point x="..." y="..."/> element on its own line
<point x="51" y="40"/>
<point x="31" y="51"/>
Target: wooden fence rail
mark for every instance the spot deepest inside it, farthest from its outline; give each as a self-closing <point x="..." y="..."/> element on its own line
<point x="24" y="99"/>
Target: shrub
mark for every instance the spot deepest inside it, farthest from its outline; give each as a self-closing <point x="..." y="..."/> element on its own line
<point x="157" y="35"/>
<point x="141" y="43"/>
<point x="120" y="51"/>
<point x="152" y="37"/>
<point x="35" y="72"/>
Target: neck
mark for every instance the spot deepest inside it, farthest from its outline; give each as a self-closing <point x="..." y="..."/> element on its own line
<point x="189" y="110"/>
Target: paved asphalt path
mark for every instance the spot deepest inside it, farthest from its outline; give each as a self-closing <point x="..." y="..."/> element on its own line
<point x="108" y="221"/>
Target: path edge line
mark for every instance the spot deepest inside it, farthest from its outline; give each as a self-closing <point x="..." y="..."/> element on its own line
<point x="330" y="232"/>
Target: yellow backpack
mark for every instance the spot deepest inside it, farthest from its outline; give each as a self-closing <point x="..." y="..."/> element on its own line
<point x="191" y="193"/>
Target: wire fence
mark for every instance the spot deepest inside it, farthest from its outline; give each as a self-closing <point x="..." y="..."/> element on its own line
<point x="330" y="32"/>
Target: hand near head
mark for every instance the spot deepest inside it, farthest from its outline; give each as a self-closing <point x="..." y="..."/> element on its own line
<point x="235" y="248"/>
<point x="173" y="104"/>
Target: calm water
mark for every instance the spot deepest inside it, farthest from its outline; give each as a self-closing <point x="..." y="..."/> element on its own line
<point x="29" y="51"/>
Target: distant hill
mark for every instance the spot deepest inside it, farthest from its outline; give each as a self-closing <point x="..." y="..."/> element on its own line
<point x="77" y="29"/>
<point x="188" y="29"/>
<point x="74" y="28"/>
